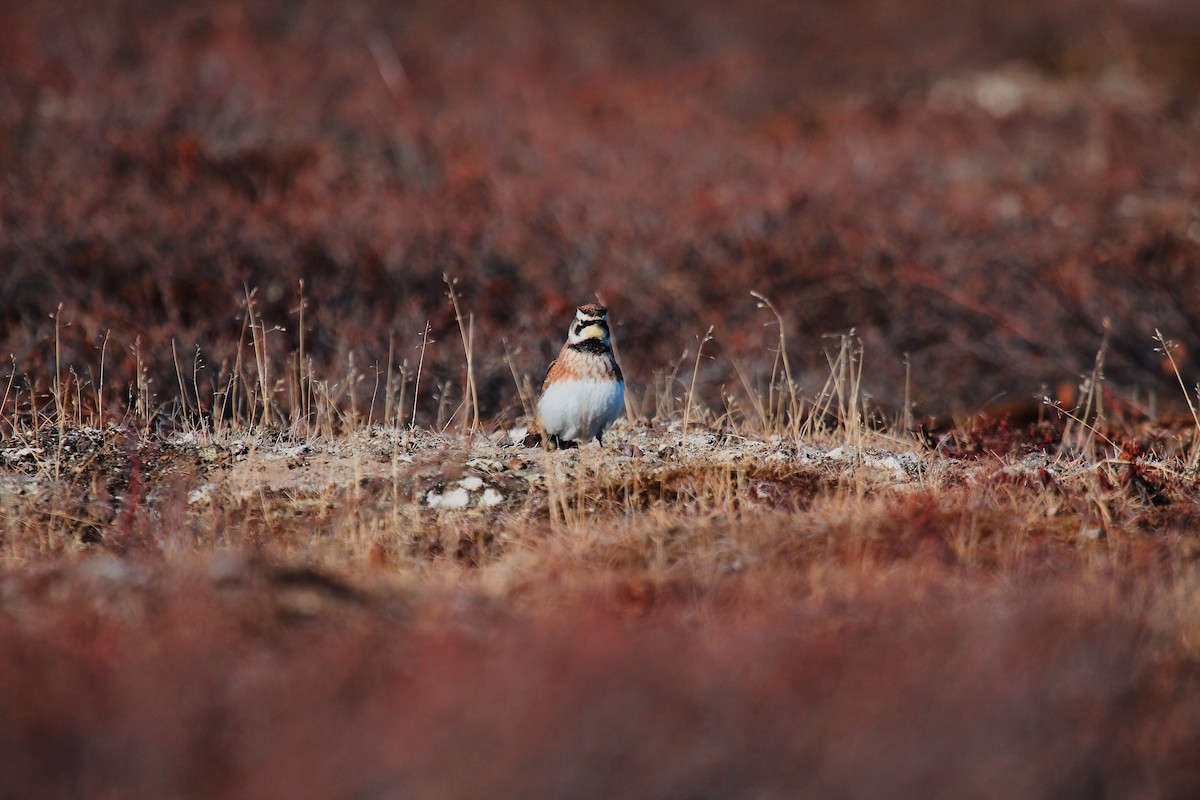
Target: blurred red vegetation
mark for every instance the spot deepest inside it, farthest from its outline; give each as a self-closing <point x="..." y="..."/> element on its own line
<point x="239" y="691"/>
<point x="977" y="185"/>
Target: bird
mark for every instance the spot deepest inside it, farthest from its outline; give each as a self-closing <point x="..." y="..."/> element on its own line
<point x="584" y="391"/>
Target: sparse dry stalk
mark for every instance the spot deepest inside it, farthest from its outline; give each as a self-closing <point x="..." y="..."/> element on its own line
<point x="389" y="388"/>
<point x="183" y="401"/>
<point x="141" y="386"/>
<point x="466" y="329"/>
<point x="687" y="409"/>
<point x="236" y="380"/>
<point x="374" y="396"/>
<point x="847" y="387"/>
<point x="197" y="365"/>
<point x="425" y="340"/>
<point x="398" y="418"/>
<point x="328" y="414"/>
<point x="305" y="374"/>
<point x="58" y="400"/>
<point x="793" y="408"/>
<point x="74" y="409"/>
<point x="1089" y="411"/>
<point x="259" y="343"/>
<point x="814" y="424"/>
<point x="755" y="400"/>
<point x="443" y="395"/>
<point x="665" y="404"/>
<point x="1075" y="419"/>
<point x="220" y="399"/>
<point x="474" y="394"/>
<point x="1167" y="348"/>
<point x="907" y="416"/>
<point x="857" y="400"/>
<point x="351" y="384"/>
<point x="302" y="407"/>
<point x="99" y="384"/>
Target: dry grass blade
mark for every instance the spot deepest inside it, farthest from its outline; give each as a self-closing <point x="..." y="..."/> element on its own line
<point x="687" y="409"/>
<point x="1167" y="348"/>
<point x="789" y="414"/>
<point x="466" y="329"/>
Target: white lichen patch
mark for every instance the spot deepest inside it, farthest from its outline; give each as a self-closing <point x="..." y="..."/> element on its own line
<point x="470" y="492"/>
<point x="898" y="467"/>
<point x="12" y="455"/>
<point x="452" y="499"/>
<point x="201" y="494"/>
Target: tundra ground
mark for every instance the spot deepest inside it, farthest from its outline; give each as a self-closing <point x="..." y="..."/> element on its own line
<point x="396" y="613"/>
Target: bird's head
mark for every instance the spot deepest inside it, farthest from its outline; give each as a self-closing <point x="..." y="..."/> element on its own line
<point x="591" y="322"/>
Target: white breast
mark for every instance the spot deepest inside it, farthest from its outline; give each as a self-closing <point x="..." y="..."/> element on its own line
<point x="579" y="411"/>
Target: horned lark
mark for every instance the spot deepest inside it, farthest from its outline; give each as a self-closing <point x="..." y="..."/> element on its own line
<point x="584" y="391"/>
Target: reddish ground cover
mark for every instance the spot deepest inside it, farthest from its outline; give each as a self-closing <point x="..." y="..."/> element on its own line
<point x="976" y="185"/>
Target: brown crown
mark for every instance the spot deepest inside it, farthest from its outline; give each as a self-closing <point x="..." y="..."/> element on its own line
<point x="593" y="310"/>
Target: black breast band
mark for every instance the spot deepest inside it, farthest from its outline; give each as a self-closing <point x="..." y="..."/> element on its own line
<point x="592" y="346"/>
